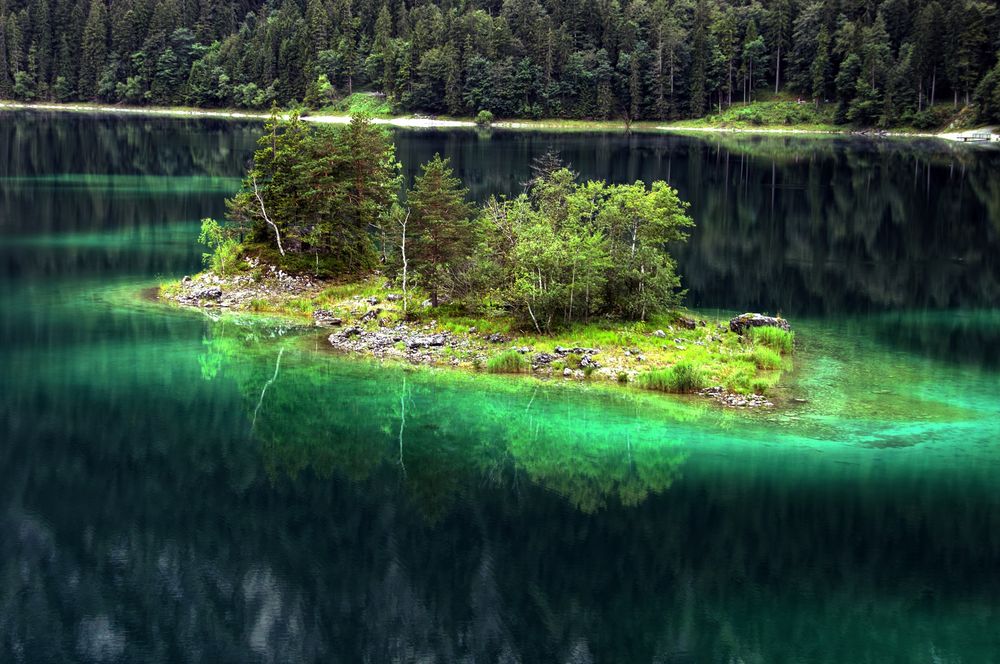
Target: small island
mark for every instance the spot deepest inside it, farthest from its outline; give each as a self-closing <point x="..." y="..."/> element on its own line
<point x="570" y="280"/>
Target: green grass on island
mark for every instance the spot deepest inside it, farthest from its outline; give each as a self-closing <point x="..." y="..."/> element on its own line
<point x="683" y="359"/>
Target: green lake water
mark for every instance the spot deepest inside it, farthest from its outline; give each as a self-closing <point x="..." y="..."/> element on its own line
<point x="175" y="488"/>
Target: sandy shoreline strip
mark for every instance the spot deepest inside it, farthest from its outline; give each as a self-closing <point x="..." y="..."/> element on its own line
<point x="235" y="115"/>
<point x="430" y="123"/>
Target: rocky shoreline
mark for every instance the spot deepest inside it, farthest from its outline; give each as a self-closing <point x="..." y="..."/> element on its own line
<point x="373" y="327"/>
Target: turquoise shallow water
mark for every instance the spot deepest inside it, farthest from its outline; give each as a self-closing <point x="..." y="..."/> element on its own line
<point x="178" y="488"/>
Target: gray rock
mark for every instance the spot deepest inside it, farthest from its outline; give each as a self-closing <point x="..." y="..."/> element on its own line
<point x="660" y="334"/>
<point x="372" y="300"/>
<point x="687" y="323"/>
<point x="740" y="324"/>
<point x="567" y="372"/>
<point x="543" y="359"/>
<point x="426" y="340"/>
<point x="393" y="297"/>
<point x="579" y="350"/>
<point x="326" y="317"/>
<point x="210" y="293"/>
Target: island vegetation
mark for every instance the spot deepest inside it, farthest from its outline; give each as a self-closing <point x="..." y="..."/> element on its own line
<point x="568" y="278"/>
<point x="910" y="63"/>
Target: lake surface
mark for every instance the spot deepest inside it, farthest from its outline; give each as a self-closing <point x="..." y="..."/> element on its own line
<point x="175" y="488"/>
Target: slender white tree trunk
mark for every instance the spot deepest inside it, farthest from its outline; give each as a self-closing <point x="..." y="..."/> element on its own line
<point x="260" y="200"/>
<point x="406" y="263"/>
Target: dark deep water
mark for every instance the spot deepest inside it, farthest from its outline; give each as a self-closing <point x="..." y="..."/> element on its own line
<point x="175" y="488"/>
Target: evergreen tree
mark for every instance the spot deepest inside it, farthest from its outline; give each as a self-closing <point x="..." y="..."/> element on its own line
<point x="701" y="50"/>
<point x="876" y="52"/>
<point x="820" y="67"/>
<point x="440" y="228"/>
<point x="847" y="85"/>
<point x="928" y="53"/>
<point x="6" y="81"/>
<point x="380" y="66"/>
<point x="753" y="54"/>
<point x="987" y="96"/>
<point x="779" y="24"/>
<point x="94" y="49"/>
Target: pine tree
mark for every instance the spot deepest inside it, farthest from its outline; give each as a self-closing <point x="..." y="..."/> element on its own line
<point x="94" y="49"/>
<point x="453" y="83"/>
<point x="700" y="53"/>
<point x="440" y="227"/>
<point x="725" y="29"/>
<point x="927" y="51"/>
<point x="876" y="52"/>
<point x="820" y="68"/>
<point x="779" y="27"/>
<point x="382" y="50"/>
<point x="6" y="80"/>
<point x="753" y="53"/>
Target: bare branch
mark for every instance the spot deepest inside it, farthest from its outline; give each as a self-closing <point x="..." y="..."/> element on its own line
<point x="260" y="200"/>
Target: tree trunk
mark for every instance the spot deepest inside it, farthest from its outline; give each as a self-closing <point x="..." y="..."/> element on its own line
<point x="777" y="69"/>
<point x="406" y="263"/>
<point x="260" y="200"/>
<point x="671" y="81"/>
<point x="659" y="74"/>
<point x="729" y="84"/>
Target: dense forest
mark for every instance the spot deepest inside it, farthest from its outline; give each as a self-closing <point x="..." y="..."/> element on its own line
<point x="880" y="61"/>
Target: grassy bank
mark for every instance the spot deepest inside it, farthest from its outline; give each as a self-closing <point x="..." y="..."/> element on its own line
<point x="769" y="115"/>
<point x="679" y="352"/>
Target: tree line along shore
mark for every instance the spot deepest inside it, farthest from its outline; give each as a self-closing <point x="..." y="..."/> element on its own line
<point x="569" y="279"/>
<point x="889" y="63"/>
